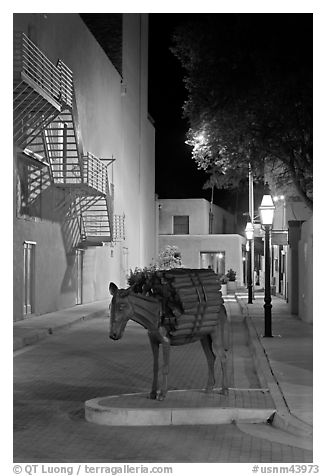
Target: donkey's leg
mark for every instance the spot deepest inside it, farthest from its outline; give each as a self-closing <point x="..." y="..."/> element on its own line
<point x="225" y="328"/>
<point x="218" y="349"/>
<point x="206" y="343"/>
<point x="155" y="346"/>
<point x="165" y="370"/>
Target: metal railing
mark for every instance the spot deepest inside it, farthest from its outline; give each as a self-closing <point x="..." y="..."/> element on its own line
<point x="119" y="228"/>
<point x="56" y="81"/>
<point x="94" y="173"/>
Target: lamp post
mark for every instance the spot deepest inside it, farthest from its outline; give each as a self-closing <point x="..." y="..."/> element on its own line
<point x="250" y="236"/>
<point x="266" y="211"/>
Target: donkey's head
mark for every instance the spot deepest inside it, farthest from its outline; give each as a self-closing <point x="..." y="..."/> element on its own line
<point x="120" y="311"/>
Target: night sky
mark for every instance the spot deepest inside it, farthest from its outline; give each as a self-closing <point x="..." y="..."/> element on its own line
<point x="177" y="175"/>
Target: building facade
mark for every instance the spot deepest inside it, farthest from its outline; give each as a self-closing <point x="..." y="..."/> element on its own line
<point x="186" y="223"/>
<point x="292" y="252"/>
<point x="84" y="161"/>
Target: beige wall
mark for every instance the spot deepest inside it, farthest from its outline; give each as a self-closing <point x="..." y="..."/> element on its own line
<point x="191" y="246"/>
<point x="111" y="125"/>
<point x="286" y="210"/>
<point x="198" y="211"/>
<point x="306" y="272"/>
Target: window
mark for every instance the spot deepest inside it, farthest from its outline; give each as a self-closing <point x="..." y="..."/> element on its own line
<point x="181" y="225"/>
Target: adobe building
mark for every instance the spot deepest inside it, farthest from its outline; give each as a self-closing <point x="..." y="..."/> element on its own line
<point x="204" y="235"/>
<point x="84" y="200"/>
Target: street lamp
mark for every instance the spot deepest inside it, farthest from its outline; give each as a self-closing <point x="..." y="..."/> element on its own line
<point x="266" y="211"/>
<point x="250" y="236"/>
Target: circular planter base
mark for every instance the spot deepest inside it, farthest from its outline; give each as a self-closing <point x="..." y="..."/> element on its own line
<point x="181" y="407"/>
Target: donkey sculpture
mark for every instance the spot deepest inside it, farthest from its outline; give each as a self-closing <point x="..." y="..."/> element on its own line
<point x="208" y="327"/>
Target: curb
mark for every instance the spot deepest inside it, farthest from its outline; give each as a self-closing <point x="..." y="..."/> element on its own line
<point x="282" y="418"/>
<point x="36" y="335"/>
<point x="137" y="410"/>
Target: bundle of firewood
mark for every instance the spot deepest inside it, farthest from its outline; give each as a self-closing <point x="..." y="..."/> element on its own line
<point x="191" y="298"/>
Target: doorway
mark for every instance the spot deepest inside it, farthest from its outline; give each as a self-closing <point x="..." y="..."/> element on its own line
<point x="29" y="278"/>
<point x="213" y="260"/>
<point x="79" y="266"/>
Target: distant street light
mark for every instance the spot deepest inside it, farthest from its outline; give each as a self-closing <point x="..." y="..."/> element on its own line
<point x="250" y="236"/>
<point x="266" y="211"/>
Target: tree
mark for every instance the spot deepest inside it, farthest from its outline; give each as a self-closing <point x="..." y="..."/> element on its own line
<point x="249" y="83"/>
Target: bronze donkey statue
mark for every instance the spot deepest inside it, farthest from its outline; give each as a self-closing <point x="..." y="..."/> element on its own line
<point x="146" y="311"/>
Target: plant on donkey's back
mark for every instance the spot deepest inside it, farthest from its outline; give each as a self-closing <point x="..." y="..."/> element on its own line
<point x="231" y="275"/>
<point x="151" y="280"/>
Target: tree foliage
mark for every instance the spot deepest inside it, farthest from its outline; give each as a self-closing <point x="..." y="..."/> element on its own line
<point x="249" y="83"/>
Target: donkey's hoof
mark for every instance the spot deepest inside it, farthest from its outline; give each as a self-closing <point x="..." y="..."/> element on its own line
<point x="225" y="391"/>
<point x="161" y="396"/>
<point x="209" y="389"/>
<point x="152" y="395"/>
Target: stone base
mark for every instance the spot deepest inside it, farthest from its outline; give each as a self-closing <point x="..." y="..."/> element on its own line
<point x="181" y="407"/>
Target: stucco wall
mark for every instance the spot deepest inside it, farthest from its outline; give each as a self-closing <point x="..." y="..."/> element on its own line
<point x="306" y="272"/>
<point x="286" y="210"/>
<point x="111" y="125"/>
<point x="138" y="174"/>
<point x="191" y="246"/>
<point x="198" y="211"/>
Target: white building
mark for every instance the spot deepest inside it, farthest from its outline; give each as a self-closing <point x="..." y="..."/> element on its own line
<point x="84" y="160"/>
<point x="185" y="223"/>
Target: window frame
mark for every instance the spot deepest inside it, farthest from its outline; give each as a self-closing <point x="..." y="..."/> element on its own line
<point x="175" y="225"/>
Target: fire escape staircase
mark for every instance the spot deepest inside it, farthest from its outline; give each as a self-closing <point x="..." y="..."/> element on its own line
<point x="41" y="90"/>
<point x="46" y="126"/>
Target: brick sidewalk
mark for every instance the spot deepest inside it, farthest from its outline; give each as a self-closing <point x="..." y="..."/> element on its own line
<point x="54" y="378"/>
<point x="289" y="354"/>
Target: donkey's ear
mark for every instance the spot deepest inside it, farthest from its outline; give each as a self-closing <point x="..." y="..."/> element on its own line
<point x="113" y="288"/>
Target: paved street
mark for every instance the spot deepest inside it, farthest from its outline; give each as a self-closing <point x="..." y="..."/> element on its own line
<point x="53" y="378"/>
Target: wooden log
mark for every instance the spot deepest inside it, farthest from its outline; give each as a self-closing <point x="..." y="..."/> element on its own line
<point x="207" y="278"/>
<point x="189" y="299"/>
<point x="187" y="282"/>
<point x="195" y="325"/>
<point x="211" y="288"/>
<point x="176" y="277"/>
<point x="194" y="309"/>
<point x="197" y="317"/>
<point x="192" y="318"/>
<point x="174" y="274"/>
<point x="191" y="271"/>
<point x="187" y="304"/>
<point x="184" y="298"/>
<point x="208" y="275"/>
<point x="194" y="273"/>
<point x="203" y="272"/>
<point x="185" y="318"/>
<point x="212" y="296"/>
<point x="192" y="333"/>
<point x="174" y="341"/>
<point x="186" y="292"/>
<point x="184" y="285"/>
